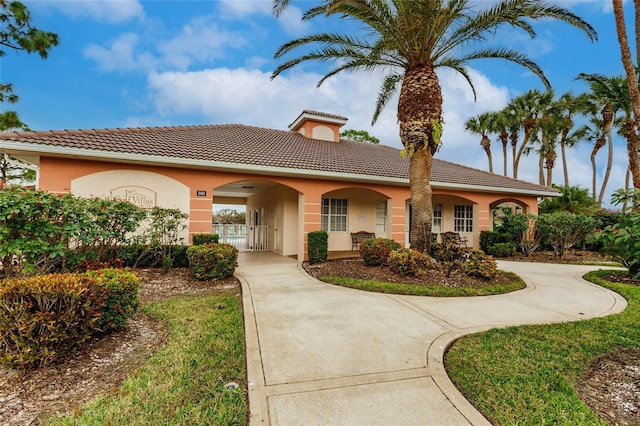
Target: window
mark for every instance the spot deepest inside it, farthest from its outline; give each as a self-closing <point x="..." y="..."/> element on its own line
<point x="437" y="219"/>
<point x="334" y="215"/>
<point x="463" y="218"/>
<point x="381" y="217"/>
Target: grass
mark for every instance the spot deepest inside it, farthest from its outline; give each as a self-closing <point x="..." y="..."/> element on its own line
<point x="182" y="383"/>
<point x="419" y="290"/>
<point x="528" y="374"/>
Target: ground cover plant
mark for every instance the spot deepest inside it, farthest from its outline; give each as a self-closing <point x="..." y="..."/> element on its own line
<point x="537" y="374"/>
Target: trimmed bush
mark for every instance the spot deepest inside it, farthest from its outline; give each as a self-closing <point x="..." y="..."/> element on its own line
<point x="120" y="289"/>
<point x="503" y="249"/>
<point x="406" y="261"/>
<point x="376" y="251"/>
<point x="44" y="317"/>
<point x="318" y="246"/>
<point x="200" y="239"/>
<point x="449" y="254"/>
<point x="480" y="265"/>
<point x="208" y="261"/>
<point x="488" y="239"/>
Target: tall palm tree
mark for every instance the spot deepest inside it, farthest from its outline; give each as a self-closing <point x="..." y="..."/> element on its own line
<point x="633" y="142"/>
<point x="569" y="106"/>
<point x="500" y="121"/>
<point x="612" y="93"/>
<point x="530" y="107"/>
<point x="408" y="40"/>
<point x="596" y="134"/>
<point x="511" y="118"/>
<point x="483" y="124"/>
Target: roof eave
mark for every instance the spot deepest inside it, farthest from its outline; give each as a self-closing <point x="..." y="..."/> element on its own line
<point x="131" y="158"/>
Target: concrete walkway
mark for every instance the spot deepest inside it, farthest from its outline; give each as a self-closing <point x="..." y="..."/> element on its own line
<point x="323" y="354"/>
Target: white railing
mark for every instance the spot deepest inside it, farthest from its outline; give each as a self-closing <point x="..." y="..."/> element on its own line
<point x="243" y="237"/>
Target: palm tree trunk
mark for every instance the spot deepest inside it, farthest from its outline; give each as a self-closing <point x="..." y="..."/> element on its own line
<point x="420" y="117"/>
<point x="563" y="152"/>
<point x="596" y="147"/>
<point x="516" y="163"/>
<point x="634" y="91"/>
<point x="607" y="172"/>
<point x="504" y="156"/>
<point x="486" y="145"/>
<point x="541" y="170"/>
<point x="626" y="189"/>
<point x="514" y="145"/>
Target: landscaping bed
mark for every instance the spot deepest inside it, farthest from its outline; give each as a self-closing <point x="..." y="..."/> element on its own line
<point x="355" y="268"/>
<point x="29" y="397"/>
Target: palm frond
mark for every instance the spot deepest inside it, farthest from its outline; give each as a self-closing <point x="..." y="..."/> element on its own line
<point x="511" y="56"/>
<point x="387" y="90"/>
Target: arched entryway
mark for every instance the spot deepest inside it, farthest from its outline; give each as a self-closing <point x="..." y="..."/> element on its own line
<point x="271" y="211"/>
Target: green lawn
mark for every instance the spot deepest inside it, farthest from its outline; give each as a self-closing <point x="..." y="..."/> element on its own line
<point x="182" y="383"/>
<point x="527" y="375"/>
<point x="419" y="290"/>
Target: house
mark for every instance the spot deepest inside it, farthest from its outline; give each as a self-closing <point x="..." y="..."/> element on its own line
<point x="291" y="182"/>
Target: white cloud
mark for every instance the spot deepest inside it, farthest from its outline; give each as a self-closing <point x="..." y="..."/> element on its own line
<point x="201" y="41"/>
<point x="291" y="22"/>
<point x="120" y="54"/>
<point x="244" y="8"/>
<point x="111" y="11"/>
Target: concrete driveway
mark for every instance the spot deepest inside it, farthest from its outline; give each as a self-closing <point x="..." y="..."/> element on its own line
<point x="319" y="354"/>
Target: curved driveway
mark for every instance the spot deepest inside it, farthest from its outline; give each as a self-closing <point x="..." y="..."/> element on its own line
<point x="323" y="354"/>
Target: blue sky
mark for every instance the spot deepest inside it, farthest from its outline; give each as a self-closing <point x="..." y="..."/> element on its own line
<point x="128" y="63"/>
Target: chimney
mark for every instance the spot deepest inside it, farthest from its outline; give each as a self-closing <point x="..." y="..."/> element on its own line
<point x="318" y="125"/>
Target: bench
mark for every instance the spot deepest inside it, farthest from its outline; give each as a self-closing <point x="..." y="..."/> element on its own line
<point x="360" y="236"/>
<point x="455" y="238"/>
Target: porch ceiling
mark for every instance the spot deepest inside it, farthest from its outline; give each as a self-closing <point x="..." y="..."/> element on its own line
<point x="243" y="189"/>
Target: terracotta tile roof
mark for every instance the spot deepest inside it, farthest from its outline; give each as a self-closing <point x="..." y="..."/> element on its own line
<point x="240" y="144"/>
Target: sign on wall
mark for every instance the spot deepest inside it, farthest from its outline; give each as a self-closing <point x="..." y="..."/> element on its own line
<point x="136" y="195"/>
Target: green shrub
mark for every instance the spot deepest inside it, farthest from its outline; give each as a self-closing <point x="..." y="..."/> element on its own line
<point x="563" y="230"/>
<point x="503" y="249"/>
<point x="376" y="251"/>
<point x="199" y="239"/>
<point x="623" y="242"/>
<point x="406" y="261"/>
<point x="480" y="265"/>
<point x="318" y="246"/>
<point x="210" y="261"/>
<point x="449" y="254"/>
<point x="120" y="289"/>
<point x="44" y="317"/>
<point x="179" y="256"/>
<point x="489" y="239"/>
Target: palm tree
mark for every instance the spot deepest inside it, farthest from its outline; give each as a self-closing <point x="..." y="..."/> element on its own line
<point x="408" y="40"/>
<point x="511" y="117"/>
<point x="482" y="125"/>
<point x="530" y="108"/>
<point x="570" y="105"/>
<point x="573" y="199"/>
<point x="596" y="134"/>
<point x="633" y="142"/>
<point x="612" y="93"/>
<point x="500" y="122"/>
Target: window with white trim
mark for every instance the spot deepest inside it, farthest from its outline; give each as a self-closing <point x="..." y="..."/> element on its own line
<point x="463" y="218"/>
<point x="437" y="219"/>
<point x="334" y="215"/>
<point x="381" y="217"/>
